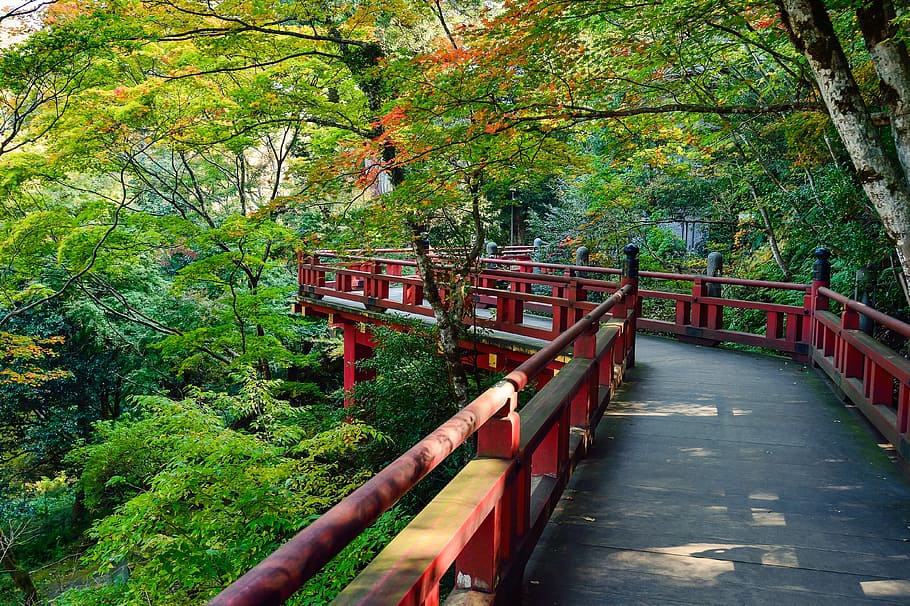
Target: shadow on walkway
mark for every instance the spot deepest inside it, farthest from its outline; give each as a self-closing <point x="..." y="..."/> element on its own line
<point x="721" y="477"/>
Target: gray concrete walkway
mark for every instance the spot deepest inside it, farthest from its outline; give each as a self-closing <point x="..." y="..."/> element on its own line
<point x="726" y="478"/>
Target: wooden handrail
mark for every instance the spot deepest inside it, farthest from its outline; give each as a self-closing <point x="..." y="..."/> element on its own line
<point x="891" y="323"/>
<point x="277" y="577"/>
<point x="876" y="378"/>
<point x="721" y="280"/>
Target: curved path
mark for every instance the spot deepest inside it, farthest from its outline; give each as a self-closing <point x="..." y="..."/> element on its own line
<point x="727" y="478"/>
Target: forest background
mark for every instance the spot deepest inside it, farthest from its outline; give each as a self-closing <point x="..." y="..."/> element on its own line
<point x="165" y="422"/>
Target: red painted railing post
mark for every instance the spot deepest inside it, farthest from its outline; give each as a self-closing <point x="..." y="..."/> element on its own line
<point x="808" y="318"/>
<point x="879" y="386"/>
<point x="515" y="306"/>
<point x="484" y="281"/>
<point x="607" y="368"/>
<point x="697" y="313"/>
<point x="585" y="401"/>
<point x="566" y="313"/>
<point x="369" y="282"/>
<point x="544" y="377"/>
<point x="715" y="316"/>
<point x="374" y="287"/>
<point x="632" y="307"/>
<point x="821" y="278"/>
<point x="545" y="460"/>
<point x="477" y="566"/>
<point x="850" y="360"/>
<point x="499" y="436"/>
<point x="317" y="273"/>
<point x="575" y="293"/>
<point x="903" y="410"/>
<point x="505" y="308"/>
<point x="794" y="328"/>
<point x="774" y="325"/>
<point x="308" y="276"/>
<point x="412" y="294"/>
<point x="344" y="282"/>
<point x="704" y="315"/>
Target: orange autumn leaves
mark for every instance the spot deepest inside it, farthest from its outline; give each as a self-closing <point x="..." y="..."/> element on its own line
<point x="18" y="357"/>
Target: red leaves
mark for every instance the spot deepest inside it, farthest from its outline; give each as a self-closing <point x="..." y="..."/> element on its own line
<point x="392" y="119"/>
<point x="496" y="127"/>
<point x="447" y="58"/>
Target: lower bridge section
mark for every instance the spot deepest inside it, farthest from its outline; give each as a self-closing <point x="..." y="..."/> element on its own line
<point x="727" y="478"/>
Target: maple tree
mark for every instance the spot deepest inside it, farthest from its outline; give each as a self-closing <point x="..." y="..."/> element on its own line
<point x="713" y="68"/>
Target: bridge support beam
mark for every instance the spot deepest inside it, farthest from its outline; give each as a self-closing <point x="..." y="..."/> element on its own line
<point x="358" y="345"/>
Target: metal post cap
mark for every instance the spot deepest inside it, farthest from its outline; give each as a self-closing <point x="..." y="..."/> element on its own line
<point x="821" y="270"/>
<point x="631" y="250"/>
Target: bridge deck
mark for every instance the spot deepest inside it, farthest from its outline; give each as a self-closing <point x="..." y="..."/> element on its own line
<point x="726" y="478"/>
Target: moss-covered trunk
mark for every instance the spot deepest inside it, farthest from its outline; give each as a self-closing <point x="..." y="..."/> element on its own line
<point x="21" y="577"/>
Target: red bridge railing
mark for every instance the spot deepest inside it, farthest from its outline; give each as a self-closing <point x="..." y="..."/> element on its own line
<point x="870" y="374"/>
<point x="488" y="519"/>
<point x="561" y="294"/>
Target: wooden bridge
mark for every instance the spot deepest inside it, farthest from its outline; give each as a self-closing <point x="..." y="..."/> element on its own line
<point x="643" y="470"/>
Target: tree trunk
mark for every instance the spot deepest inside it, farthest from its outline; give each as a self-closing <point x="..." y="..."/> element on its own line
<point x="21" y="577"/>
<point x="360" y="61"/>
<point x="772" y="241"/>
<point x="448" y="322"/>
<point x="79" y="513"/>
<point x="881" y="175"/>
<point x="892" y="64"/>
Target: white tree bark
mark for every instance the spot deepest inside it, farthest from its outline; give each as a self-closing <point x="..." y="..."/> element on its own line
<point x="892" y="64"/>
<point x="882" y="176"/>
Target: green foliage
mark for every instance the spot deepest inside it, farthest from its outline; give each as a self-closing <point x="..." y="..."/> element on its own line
<point x="195" y="503"/>
<point x="35" y="523"/>
<point x="36" y="516"/>
<point x="41" y="422"/>
<point x="407" y="369"/>
<point x="407" y="399"/>
<point x="662" y="249"/>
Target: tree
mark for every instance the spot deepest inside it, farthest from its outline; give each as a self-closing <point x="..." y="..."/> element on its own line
<point x="10" y="536"/>
<point x="18" y="355"/>
<point x="42" y="68"/>
<point x="182" y="130"/>
<point x="672" y="65"/>
<point x="883" y="174"/>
